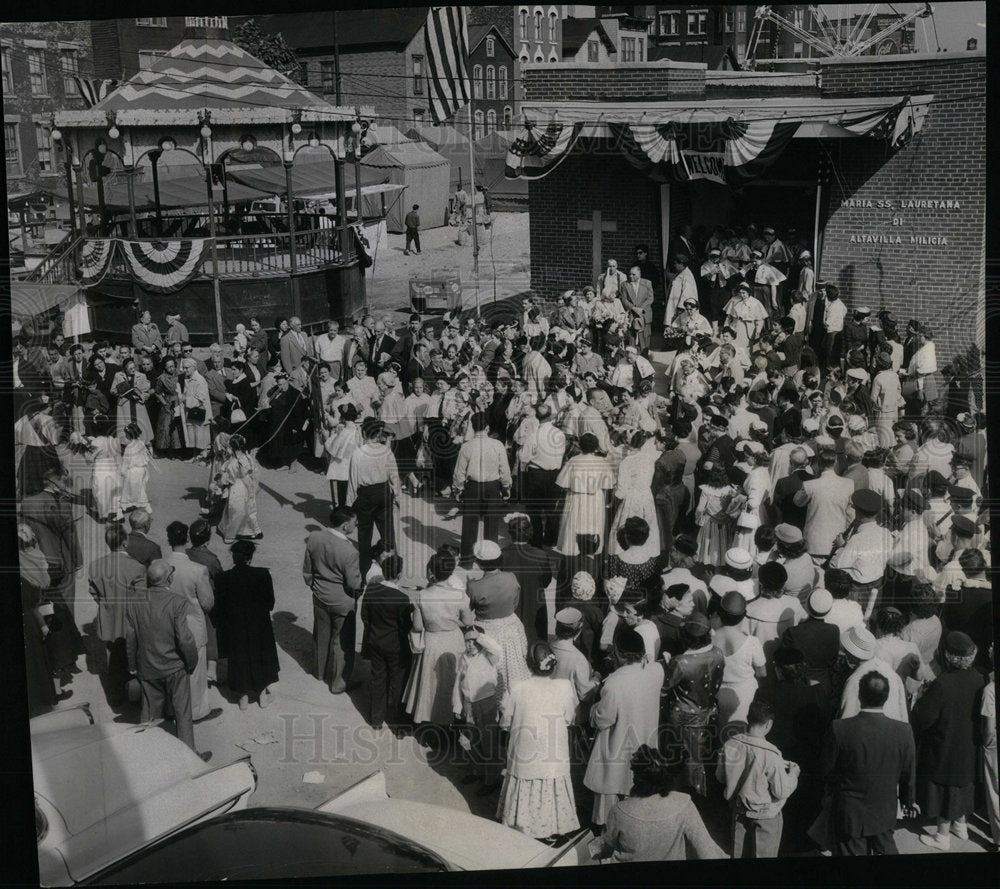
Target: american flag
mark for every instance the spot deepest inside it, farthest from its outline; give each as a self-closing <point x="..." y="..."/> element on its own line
<point x="446" y="43"/>
<point x="94" y="90"/>
<point x="894" y="125"/>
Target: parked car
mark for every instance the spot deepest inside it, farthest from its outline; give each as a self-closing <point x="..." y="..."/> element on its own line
<point x="360" y="831"/>
<point x="104" y="791"/>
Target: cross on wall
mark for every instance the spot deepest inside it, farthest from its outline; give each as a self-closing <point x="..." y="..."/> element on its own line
<point x="595" y="225"/>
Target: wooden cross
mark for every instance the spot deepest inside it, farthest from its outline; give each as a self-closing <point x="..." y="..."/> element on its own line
<point x="598" y="228"/>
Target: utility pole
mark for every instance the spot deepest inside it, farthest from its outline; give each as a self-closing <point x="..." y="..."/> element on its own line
<point x="336" y="59"/>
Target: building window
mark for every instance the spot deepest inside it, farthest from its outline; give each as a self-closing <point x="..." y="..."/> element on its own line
<point x="523" y="23"/>
<point x="148" y="56"/>
<point x="43" y="139"/>
<point x="729" y="21"/>
<point x="36" y="72"/>
<point x="797" y="50"/>
<point x="508" y="117"/>
<point x="328" y="77"/>
<point x="593" y="50"/>
<point x="638" y="45"/>
<point x="12" y="148"/>
<point x="553" y="20"/>
<point x="491" y="82"/>
<point x="628" y="49"/>
<point x="203" y="21"/>
<point x="70" y="62"/>
<point x="158" y="22"/>
<point x="491" y="47"/>
<point x="491" y="121"/>
<point x="479" y="126"/>
<point x="670" y="24"/>
<point x="8" y="75"/>
<point x="418" y="115"/>
<point x="741" y="19"/>
<point x="502" y="82"/>
<point x="697" y="23"/>
<point x="477" y="82"/>
<point x="798" y="18"/>
<point x="418" y="75"/>
<point x="538" y="24"/>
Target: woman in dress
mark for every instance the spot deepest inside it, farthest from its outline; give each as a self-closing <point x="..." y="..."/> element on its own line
<point x="238" y="476"/>
<point x="284" y="434"/>
<point x="745" y="660"/>
<point x="635" y="495"/>
<point x="196" y="408"/>
<point x="343" y="441"/>
<point x="586" y="478"/>
<point x="36" y="435"/>
<point x="167" y="434"/>
<point x="131" y="389"/>
<point x="537" y="794"/>
<point x="634" y="561"/>
<point x="439" y="613"/>
<point x="135" y="471"/>
<point x="944" y="727"/>
<point x="714" y="518"/>
<point x="105" y="451"/>
<point x="756" y="486"/>
<point x="656" y="822"/>
<point x="244" y="600"/>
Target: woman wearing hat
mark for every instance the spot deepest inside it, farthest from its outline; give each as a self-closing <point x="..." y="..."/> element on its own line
<point x="944" y="722"/>
<point x="625" y="717"/>
<point x="537" y="794"/>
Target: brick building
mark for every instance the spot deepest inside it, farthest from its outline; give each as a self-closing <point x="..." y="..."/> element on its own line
<point x="123" y="47"/>
<point x="901" y="228"/>
<point x="492" y="67"/>
<point x="39" y="61"/>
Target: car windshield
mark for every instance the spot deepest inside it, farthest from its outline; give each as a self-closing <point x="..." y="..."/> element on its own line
<point x="269" y="844"/>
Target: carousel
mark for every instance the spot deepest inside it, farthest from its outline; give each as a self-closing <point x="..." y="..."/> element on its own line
<point x="215" y="186"/>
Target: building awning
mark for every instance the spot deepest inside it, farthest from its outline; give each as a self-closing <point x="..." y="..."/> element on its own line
<point x="28" y="300"/>
<point x="309" y="180"/>
<point x="177" y="193"/>
<point x="721" y="140"/>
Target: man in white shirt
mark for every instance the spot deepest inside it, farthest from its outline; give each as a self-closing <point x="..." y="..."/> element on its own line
<point x="923" y="367"/>
<point x="373" y="488"/>
<point x="482" y="482"/>
<point x="859" y="648"/>
<point x="542" y="456"/>
<point x="864" y="551"/>
<point x="834" y="313"/>
<point x="807" y="288"/>
<point x="330" y="348"/>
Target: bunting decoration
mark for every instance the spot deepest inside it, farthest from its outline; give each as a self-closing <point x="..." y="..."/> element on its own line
<point x="537" y="151"/>
<point x="95" y="257"/>
<point x="164" y="266"/>
<point x="895" y="125"/>
<point x="362" y="247"/>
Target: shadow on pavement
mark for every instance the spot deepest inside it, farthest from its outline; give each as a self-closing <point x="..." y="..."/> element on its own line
<point x="294" y="639"/>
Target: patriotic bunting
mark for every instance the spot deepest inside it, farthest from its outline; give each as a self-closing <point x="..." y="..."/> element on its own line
<point x="164" y="266"/>
<point x="895" y="125"/>
<point x="538" y="151"/>
<point x="95" y="257"/>
<point x="94" y="90"/>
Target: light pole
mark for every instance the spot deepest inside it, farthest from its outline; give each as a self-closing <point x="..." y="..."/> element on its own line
<point x="68" y="164"/>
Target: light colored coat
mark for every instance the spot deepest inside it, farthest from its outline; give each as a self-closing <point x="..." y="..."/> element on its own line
<point x="195" y="394"/>
<point x="193" y="581"/>
<point x="540" y="710"/>
<point x="626" y="716"/>
<point x="828" y="510"/>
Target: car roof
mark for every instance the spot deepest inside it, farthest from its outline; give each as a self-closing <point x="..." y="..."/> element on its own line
<point x="464" y="840"/>
<point x="90" y="772"/>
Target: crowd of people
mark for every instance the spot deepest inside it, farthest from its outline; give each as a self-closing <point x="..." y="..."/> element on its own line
<point x="769" y="556"/>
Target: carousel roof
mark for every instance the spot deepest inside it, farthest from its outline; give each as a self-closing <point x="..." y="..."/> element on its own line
<point x="200" y="74"/>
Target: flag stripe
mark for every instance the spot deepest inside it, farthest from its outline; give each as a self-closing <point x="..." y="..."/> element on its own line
<point x="94" y="90"/>
<point x="447" y="50"/>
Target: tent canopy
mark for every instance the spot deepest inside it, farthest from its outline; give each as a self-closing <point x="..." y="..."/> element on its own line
<point x="28" y="300"/>
<point x="438" y="136"/>
<point x="309" y="180"/>
<point x="404" y="154"/>
<point x="423" y="172"/>
<point x="176" y="193"/>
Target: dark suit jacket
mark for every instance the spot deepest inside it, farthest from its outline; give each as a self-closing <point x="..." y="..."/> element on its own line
<point x="385" y="612"/>
<point x="533" y="571"/>
<point x="867" y="760"/>
<point x="819" y="643"/>
<point x="378" y="346"/>
<point x="784" y="491"/>
<point x="142" y="549"/>
<point x="402" y="351"/>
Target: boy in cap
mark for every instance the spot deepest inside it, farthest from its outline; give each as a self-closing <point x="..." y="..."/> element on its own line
<point x="571" y="663"/>
<point x="757" y="780"/>
<point x="864" y="550"/>
<point x="474" y="702"/>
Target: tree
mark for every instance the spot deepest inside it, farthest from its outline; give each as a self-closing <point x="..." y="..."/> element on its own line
<point x="271" y="49"/>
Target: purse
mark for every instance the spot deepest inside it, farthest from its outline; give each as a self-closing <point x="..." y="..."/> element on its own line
<point x="237" y="415"/>
<point x="416" y="641"/>
<point x="196" y="414"/>
<point x="748" y="521"/>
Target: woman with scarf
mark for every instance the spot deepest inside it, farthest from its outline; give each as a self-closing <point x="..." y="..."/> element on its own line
<point x="166" y="435"/>
<point x="238" y="476"/>
<point x="131" y="389"/>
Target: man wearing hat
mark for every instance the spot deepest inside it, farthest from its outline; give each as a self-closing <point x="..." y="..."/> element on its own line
<point x="636" y="295"/>
<point x="863" y="550"/>
<point x="962" y="538"/>
<point x="827" y="502"/>
<point x="818" y="641"/>
<point x="714" y="275"/>
<point x="858" y="644"/>
<point x="571" y="663"/>
<point x="776" y="253"/>
<point x="869" y="761"/>
<point x="961" y="475"/>
<point x="969" y="608"/>
<point x="682" y="286"/>
<point x="745" y="315"/>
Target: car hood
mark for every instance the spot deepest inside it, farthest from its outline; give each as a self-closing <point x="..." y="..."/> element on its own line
<point x="464" y="840"/>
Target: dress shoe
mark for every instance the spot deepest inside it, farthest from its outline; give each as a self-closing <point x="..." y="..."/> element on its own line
<point x="961" y="830"/>
<point x="212" y="714"/>
<point x="244" y="702"/>
<point x="338" y="687"/>
<point x="937" y="841"/>
<point x="206" y="756"/>
<point x="264" y="699"/>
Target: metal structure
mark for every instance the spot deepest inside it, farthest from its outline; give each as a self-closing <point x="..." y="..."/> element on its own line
<point x="828" y="41"/>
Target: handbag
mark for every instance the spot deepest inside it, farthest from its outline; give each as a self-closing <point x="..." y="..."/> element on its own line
<point x="416" y="641"/>
<point x="196" y="414"/>
<point x="748" y="521"/>
<point x="237" y="414"/>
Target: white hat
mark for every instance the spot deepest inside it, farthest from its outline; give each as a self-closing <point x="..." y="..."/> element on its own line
<point x="820" y="602"/>
<point x="486" y="551"/>
<point x="810" y="424"/>
<point x="857" y="373"/>
<point x="805" y="254"/>
<point x="856" y="423"/>
<point x="859" y="642"/>
<point x="739" y="558"/>
<point x="863" y="310"/>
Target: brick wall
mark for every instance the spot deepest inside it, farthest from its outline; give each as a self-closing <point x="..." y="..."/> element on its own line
<point x="939" y="283"/>
<point x="501" y="17"/>
<point x="362" y="69"/>
<point x="625" y="82"/>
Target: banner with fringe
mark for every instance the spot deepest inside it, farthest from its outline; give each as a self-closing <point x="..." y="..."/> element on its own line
<point x="539" y="150"/>
<point x="95" y="257"/>
<point x="164" y="266"/>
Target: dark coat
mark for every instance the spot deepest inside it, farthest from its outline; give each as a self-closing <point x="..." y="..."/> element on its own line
<point x="533" y="571"/>
<point x="819" y="643"/>
<point x="142" y="549"/>
<point x="868" y="760"/>
<point x="385" y="611"/>
<point x="972" y="613"/>
<point x="784" y="506"/>
<point x="244" y="599"/>
<point x="944" y="722"/>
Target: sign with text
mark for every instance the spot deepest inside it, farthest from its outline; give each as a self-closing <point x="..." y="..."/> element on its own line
<point x="705" y="165"/>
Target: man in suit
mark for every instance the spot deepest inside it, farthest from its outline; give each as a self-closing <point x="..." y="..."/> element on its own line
<point x="139" y="546"/>
<point x="380" y="349"/>
<point x="637" y="297"/>
<point x="385" y="612"/>
<point x="404" y="350"/>
<point x="114" y="578"/>
<point x="161" y="650"/>
<point x="783" y="498"/>
<point x="191" y="580"/>
<point x="684" y="244"/>
<point x="827" y="501"/>
<point x="818" y="641"/>
<point x="294" y="348"/>
<point x="868" y="762"/>
<point x="332" y="572"/>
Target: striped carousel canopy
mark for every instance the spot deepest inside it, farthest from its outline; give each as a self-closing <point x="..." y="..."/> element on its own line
<point x="201" y="74"/>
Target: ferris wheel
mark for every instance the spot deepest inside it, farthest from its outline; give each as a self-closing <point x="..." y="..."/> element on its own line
<point x="850" y="33"/>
